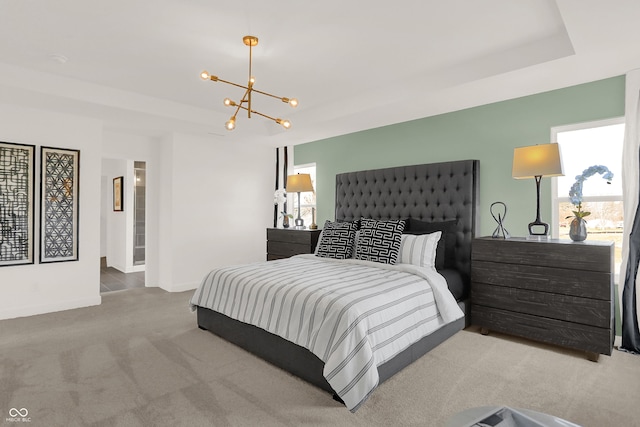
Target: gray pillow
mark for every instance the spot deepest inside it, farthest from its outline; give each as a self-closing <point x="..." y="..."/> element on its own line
<point x="446" y="251"/>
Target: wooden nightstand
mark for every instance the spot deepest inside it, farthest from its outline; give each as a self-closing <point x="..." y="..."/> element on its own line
<point x="286" y="242"/>
<point x="556" y="291"/>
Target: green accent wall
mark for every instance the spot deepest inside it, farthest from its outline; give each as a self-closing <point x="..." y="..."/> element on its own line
<point x="488" y="133"/>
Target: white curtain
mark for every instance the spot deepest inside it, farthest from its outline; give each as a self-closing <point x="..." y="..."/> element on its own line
<point x="629" y="297"/>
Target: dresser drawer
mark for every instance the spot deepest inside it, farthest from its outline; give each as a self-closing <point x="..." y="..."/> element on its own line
<point x="590" y="284"/>
<point x="303" y="237"/>
<point x="286" y="242"/>
<point x="285" y="249"/>
<point x="594" y="256"/>
<point x="586" y="311"/>
<point x="567" y="334"/>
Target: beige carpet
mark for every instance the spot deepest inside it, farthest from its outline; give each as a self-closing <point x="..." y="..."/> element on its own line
<point x="140" y="360"/>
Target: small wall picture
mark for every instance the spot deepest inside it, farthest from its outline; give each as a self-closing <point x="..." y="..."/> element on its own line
<point x="118" y="194"/>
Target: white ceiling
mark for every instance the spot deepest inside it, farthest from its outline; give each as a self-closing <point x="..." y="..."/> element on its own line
<point x="353" y="65"/>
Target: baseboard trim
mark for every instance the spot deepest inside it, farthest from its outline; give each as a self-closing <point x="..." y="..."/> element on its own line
<point x="50" y="307"/>
<point x="129" y="269"/>
<point x="181" y="287"/>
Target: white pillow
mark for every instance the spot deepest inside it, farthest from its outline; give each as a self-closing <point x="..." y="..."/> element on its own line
<point x="419" y="249"/>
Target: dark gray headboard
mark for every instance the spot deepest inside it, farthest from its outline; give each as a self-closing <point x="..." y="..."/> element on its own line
<point x="433" y="192"/>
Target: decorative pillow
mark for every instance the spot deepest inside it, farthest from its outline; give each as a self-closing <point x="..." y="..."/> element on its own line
<point x="420" y="249"/>
<point x="336" y="240"/>
<point x="379" y="241"/>
<point x="445" y="253"/>
<point x="355" y="241"/>
<point x="315" y="251"/>
<point x="355" y="221"/>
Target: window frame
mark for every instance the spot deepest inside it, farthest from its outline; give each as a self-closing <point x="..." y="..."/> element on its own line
<point x="555" y="199"/>
<point x="294" y="203"/>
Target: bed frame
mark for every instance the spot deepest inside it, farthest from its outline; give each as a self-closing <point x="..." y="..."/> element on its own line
<point x="432" y="192"/>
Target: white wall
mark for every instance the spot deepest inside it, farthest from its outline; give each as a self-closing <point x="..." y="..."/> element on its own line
<point x="215" y="205"/>
<point x="105" y="200"/>
<point x="41" y="288"/>
<point x="163" y="256"/>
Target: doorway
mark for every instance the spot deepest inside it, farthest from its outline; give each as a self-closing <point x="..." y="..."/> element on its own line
<point x="139" y="212"/>
<point x="123" y="225"/>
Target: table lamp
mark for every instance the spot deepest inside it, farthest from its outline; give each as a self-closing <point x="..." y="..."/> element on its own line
<point x="536" y="161"/>
<point x="299" y="183"/>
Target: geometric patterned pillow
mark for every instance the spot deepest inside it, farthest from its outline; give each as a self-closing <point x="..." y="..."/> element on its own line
<point x="336" y="240"/>
<point x="419" y="250"/>
<point x="379" y="241"/>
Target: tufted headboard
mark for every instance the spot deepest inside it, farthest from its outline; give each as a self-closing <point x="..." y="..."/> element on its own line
<point x="432" y="192"/>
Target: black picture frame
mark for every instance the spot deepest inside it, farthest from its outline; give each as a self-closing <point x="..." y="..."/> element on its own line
<point x="59" y="204"/>
<point x="118" y="194"/>
<point x="17" y="188"/>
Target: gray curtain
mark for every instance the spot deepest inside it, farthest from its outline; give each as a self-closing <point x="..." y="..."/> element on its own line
<point x="630" y="331"/>
<point x="631" y="193"/>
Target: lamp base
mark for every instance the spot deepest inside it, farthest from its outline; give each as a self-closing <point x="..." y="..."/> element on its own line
<point x="538" y="228"/>
<point x="538" y="238"/>
<point x="299" y="223"/>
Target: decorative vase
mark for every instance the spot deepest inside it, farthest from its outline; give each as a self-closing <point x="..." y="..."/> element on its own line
<point x="578" y="229"/>
<point x="285" y="221"/>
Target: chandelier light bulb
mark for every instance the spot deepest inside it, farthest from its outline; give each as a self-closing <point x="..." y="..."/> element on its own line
<point x="293" y="102"/>
<point x="252" y="80"/>
<point x="284" y="123"/>
<point x="231" y="124"/>
<point x="228" y="102"/>
<point x="204" y="75"/>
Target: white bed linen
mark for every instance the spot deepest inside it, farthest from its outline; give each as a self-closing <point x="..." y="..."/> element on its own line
<point x="354" y="315"/>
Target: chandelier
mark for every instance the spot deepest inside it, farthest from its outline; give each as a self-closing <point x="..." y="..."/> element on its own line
<point x="245" y="102"/>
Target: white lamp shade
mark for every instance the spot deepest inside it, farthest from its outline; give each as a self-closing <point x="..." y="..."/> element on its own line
<point x="299" y="183"/>
<point x="537" y="160"/>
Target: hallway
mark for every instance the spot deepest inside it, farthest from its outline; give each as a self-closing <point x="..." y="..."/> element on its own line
<point x="115" y="280"/>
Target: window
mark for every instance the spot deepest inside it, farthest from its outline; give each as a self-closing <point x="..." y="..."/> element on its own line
<point x="582" y="146"/>
<point x="307" y="200"/>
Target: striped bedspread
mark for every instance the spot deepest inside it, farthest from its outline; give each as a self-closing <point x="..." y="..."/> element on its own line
<point x="354" y="315"/>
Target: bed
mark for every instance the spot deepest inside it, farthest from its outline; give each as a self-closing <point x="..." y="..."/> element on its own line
<point x="429" y="198"/>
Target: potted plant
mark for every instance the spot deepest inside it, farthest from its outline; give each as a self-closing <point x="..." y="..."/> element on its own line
<point x="578" y="226"/>
<point x="285" y="219"/>
<point x="280" y="198"/>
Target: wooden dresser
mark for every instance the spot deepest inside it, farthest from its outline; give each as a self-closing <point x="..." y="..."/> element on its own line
<point x="555" y="291"/>
<point x="286" y="242"/>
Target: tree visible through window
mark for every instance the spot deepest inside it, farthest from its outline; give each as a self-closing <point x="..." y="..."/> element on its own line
<point x="583" y="146"/>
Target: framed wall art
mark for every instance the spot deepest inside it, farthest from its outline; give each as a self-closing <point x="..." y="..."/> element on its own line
<point x="59" y="204"/>
<point x="118" y="194"/>
<point x="16" y="203"/>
